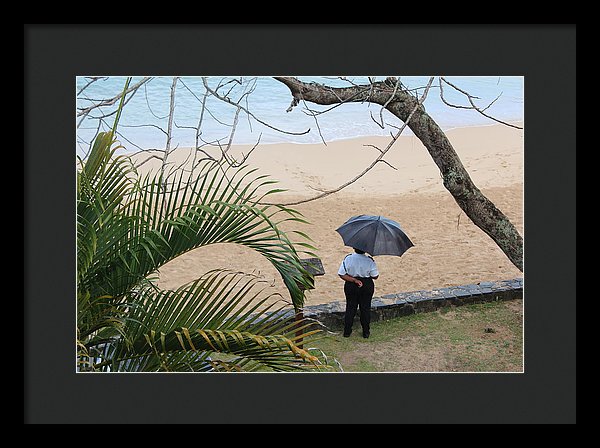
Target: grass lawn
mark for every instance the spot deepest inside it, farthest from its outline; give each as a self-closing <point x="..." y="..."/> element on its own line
<point x="470" y="338"/>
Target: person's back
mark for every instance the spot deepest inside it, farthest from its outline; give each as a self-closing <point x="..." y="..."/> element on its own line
<point x="360" y="265"/>
<point x="358" y="271"/>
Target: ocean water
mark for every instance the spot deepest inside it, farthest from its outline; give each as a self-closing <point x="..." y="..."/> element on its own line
<point x="144" y="119"/>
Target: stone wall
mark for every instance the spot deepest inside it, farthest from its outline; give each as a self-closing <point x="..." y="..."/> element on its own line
<point x="402" y="304"/>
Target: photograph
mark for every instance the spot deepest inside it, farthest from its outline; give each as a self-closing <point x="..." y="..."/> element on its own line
<point x="299" y="224"/>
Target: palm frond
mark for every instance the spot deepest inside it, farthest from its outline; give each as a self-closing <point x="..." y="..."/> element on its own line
<point x="214" y="208"/>
<point x="129" y="226"/>
<point x="222" y="316"/>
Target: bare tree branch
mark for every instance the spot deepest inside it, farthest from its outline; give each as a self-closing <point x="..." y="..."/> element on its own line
<point x="148" y="104"/>
<point x="390" y="94"/>
<point x="482" y="212"/>
<point x="147" y="160"/>
<point x="385" y="105"/>
<point x="314" y="115"/>
<point x="473" y="106"/>
<point x="92" y="79"/>
<point x="198" y="131"/>
<point x="113" y="100"/>
<point x="145" y="126"/>
<point x="227" y="100"/>
<point x="235" y="122"/>
<point x="169" y="129"/>
<point x="375" y="162"/>
<point x="245" y="157"/>
<point x="235" y="163"/>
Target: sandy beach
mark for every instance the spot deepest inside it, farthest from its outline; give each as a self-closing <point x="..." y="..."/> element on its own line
<point x="448" y="249"/>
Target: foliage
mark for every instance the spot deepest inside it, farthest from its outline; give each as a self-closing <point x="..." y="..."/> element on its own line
<point x="129" y="226"/>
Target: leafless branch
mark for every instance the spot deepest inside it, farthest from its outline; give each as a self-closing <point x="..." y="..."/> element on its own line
<point x="381" y="125"/>
<point x="493" y="101"/>
<point x="148" y="104"/>
<point x="180" y="126"/>
<point x="103" y="116"/>
<point x="198" y="131"/>
<point x="388" y="164"/>
<point x="119" y="134"/>
<point x="144" y="126"/>
<point x="472" y="106"/>
<point x="337" y="96"/>
<point x="106" y="115"/>
<point x="92" y="79"/>
<point x="223" y="150"/>
<point x="203" y="102"/>
<point x="229" y="101"/>
<point x="183" y="163"/>
<point x="234" y="80"/>
<point x="198" y="153"/>
<point x="147" y="160"/>
<point x="373" y="146"/>
<point x="375" y="162"/>
<point x="235" y="122"/>
<point x="113" y="100"/>
<point x="396" y="84"/>
<point x="314" y="115"/>
<point x="343" y="78"/>
<point x="296" y="100"/>
<point x="382" y="160"/>
<point x="248" y="107"/>
<point x="169" y="128"/>
<point x="236" y="164"/>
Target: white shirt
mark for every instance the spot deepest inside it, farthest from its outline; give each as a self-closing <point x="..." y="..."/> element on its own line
<point x="358" y="265"/>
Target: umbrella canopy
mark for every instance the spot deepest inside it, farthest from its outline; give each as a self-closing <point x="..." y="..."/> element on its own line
<point x="375" y="235"/>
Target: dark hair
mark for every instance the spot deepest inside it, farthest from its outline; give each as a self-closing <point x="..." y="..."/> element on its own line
<point x="358" y="251"/>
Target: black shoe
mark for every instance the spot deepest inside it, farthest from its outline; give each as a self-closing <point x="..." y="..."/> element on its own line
<point x="347" y="335"/>
<point x="366" y="335"/>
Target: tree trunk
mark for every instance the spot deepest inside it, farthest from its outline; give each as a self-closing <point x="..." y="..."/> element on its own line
<point x="457" y="181"/>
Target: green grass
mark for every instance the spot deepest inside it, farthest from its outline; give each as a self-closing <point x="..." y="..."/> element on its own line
<point x="470" y="338"/>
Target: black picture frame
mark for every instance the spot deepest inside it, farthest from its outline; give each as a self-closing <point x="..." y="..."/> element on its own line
<point x="544" y="54"/>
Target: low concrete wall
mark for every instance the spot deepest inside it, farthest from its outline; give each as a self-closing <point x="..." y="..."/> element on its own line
<point x="396" y="305"/>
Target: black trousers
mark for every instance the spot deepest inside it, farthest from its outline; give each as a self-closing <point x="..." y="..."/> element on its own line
<point x="358" y="298"/>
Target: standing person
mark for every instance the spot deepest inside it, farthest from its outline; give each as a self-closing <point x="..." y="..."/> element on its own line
<point x="358" y="271"/>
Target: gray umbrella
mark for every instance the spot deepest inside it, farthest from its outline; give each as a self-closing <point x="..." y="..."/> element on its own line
<point x="375" y="235"/>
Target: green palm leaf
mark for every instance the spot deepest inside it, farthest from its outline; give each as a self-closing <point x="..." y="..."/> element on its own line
<point x="129" y="226"/>
<point x="161" y="221"/>
<point x="220" y="321"/>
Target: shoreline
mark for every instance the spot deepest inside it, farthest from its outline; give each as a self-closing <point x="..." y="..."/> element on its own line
<point x="493" y="155"/>
<point x="335" y="140"/>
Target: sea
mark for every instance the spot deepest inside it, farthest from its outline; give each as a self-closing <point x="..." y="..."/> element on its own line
<point x="257" y="109"/>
